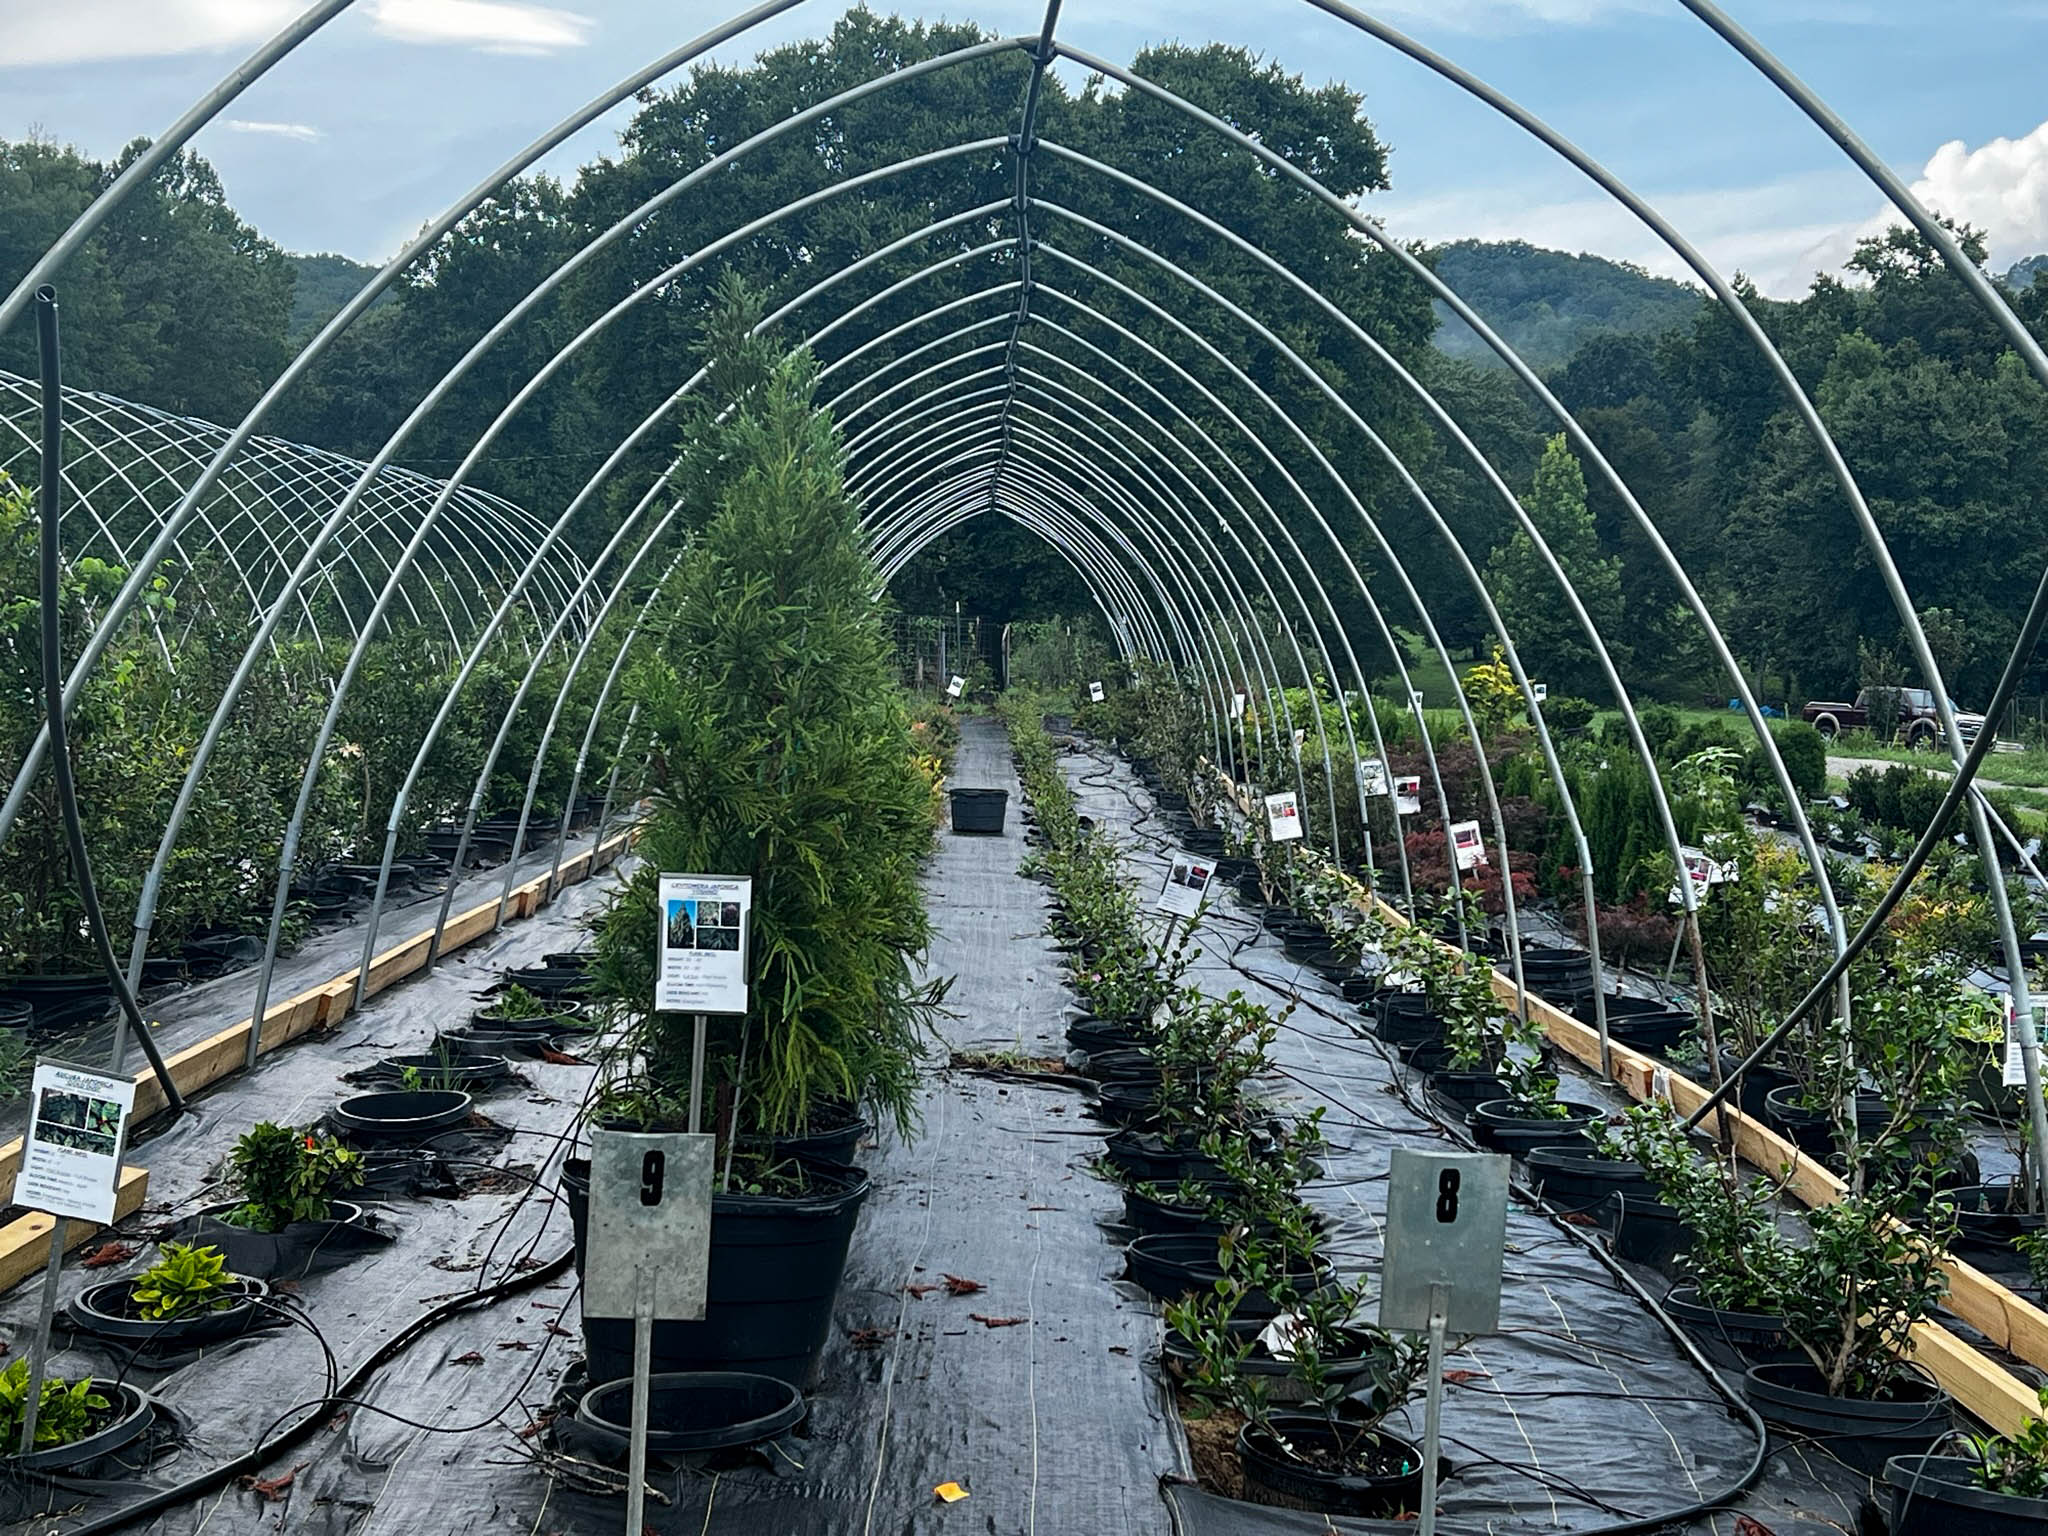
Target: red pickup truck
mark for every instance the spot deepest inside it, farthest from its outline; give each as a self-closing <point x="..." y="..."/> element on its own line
<point x="1918" y="724"/>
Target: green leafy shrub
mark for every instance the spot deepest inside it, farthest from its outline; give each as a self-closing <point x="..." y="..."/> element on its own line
<point x="184" y="1280"/>
<point x="288" y="1175"/>
<point x="67" y="1411"/>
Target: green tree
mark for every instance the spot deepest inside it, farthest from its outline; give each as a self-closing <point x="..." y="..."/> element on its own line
<point x="1553" y="646"/>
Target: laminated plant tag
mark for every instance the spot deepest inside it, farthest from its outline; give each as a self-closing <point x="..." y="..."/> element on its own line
<point x="1281" y="1335"/>
<point x="1372" y="776"/>
<point x="1466" y="845"/>
<point x="1283" y="817"/>
<point x="1095" y="693"/>
<point x="1408" y="796"/>
<point x="1187" y="884"/>
<point x="702" y="964"/>
<point x="1539" y="691"/>
<point x="956" y="687"/>
<point x="2014" y="1072"/>
<point x="1237" y="703"/>
<point x="71" y="1158"/>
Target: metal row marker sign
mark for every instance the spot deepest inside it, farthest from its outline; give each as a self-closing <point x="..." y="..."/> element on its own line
<point x="956" y="687"/>
<point x="1467" y="847"/>
<point x="1187" y="886"/>
<point x="1095" y="693"/>
<point x="702" y="964"/>
<point x="1372" y="776"/>
<point x="1408" y="796"/>
<point x="71" y="1158"/>
<point x="1283" y="817"/>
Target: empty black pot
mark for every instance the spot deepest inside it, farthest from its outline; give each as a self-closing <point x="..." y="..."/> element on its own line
<point x="979" y="810"/>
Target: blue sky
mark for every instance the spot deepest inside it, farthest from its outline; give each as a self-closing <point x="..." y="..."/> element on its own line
<point x="402" y="104"/>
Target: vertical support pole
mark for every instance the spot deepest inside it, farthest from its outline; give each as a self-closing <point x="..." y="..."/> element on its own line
<point x="39" y="1352"/>
<point x="643" y="1364"/>
<point x="1433" y="1407"/>
<point x="697" y="1077"/>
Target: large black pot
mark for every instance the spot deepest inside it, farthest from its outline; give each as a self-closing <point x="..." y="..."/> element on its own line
<point x="1170" y="1265"/>
<point x="1094" y="1035"/>
<point x="1273" y="1477"/>
<point x="128" y="1415"/>
<point x="774" y="1273"/>
<point x="1864" y="1433"/>
<point x="1755" y="1336"/>
<point x="105" y="1309"/>
<point x="1281" y="1385"/>
<point x="295" y="1250"/>
<point x="1642" y="1022"/>
<point x="1937" y="1496"/>
<point x="1153" y="1159"/>
<point x="979" y="810"/>
<point x="1126" y="1104"/>
<point x="402" y="1118"/>
<point x="1756" y="1085"/>
<point x="1463" y="1090"/>
<point x="1989" y="1219"/>
<point x="59" y="1001"/>
<point x="1647" y="1231"/>
<point x="1578" y="1178"/>
<point x="1502" y="1125"/>
<point x="1202" y="840"/>
<point x="1403" y="1016"/>
<point x="468" y="1070"/>
<point x="1147" y="1217"/>
<point x="835" y="1134"/>
<point x="692" y="1412"/>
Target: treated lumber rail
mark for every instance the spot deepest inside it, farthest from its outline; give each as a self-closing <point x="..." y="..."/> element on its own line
<point x="24" y="1242"/>
<point x="2009" y="1322"/>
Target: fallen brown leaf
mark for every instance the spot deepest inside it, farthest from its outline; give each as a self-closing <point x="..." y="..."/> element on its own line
<point x="270" y="1488"/>
<point x="955" y="1286"/>
<point x="997" y="1322"/>
<point x="555" y="1058"/>
<point x="1458" y="1378"/>
<point x="559" y="1331"/>
<point x="869" y="1338"/>
<point x="920" y="1291"/>
<point x="514" y="1344"/>
<point x="540" y="1422"/>
<point x="472" y="1358"/>
<point x="107" y="1253"/>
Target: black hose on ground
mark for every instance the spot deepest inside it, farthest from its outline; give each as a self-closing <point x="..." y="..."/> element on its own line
<point x="254" y="1458"/>
<point x="51" y="501"/>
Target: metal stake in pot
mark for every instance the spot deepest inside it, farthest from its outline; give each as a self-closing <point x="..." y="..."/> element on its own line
<point x="1447" y="1220"/>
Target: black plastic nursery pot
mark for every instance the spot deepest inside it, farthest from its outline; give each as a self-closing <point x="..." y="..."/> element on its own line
<point x="1758" y="1337"/>
<point x="106" y="1310"/>
<point x="1503" y="1125"/>
<point x="1644" y="1023"/>
<point x="550" y="980"/>
<point x="1754" y="1090"/>
<point x="1281" y="1385"/>
<point x="1146" y="1216"/>
<point x="299" y="1248"/>
<point x="1990" y="1218"/>
<point x="1126" y="1104"/>
<point x="561" y="1016"/>
<point x="978" y="810"/>
<point x="466" y="1070"/>
<point x="1169" y="1265"/>
<point x="1127" y="1064"/>
<point x="693" y="1412"/>
<point x="774" y="1273"/>
<point x="1202" y="840"/>
<point x="59" y="1000"/>
<point x="1153" y="1159"/>
<point x="517" y="1045"/>
<point x="125" y="1419"/>
<point x="1095" y="1036"/>
<point x="1579" y="1178"/>
<point x="1863" y="1432"/>
<point x="1646" y="1231"/>
<point x="1463" y="1090"/>
<point x="403" y="1118"/>
<point x="1937" y="1496"/>
<point x="835" y="1134"/>
<point x="1388" y="1481"/>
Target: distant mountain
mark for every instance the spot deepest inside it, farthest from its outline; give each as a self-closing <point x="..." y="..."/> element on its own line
<point x="1545" y="303"/>
<point x="325" y="283"/>
<point x="2022" y="274"/>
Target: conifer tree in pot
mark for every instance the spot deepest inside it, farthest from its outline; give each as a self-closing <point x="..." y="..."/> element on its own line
<point x="780" y="749"/>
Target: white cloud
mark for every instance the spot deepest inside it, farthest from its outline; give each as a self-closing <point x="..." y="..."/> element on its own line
<point x="303" y="132"/>
<point x="38" y="33"/>
<point x="495" y="26"/>
<point x="2000" y="188"/>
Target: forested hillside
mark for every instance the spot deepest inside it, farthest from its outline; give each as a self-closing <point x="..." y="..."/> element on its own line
<point x="1546" y="304"/>
<point x="180" y="303"/>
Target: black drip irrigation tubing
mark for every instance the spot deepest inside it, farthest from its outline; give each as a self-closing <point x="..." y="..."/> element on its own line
<point x="1631" y="1526"/>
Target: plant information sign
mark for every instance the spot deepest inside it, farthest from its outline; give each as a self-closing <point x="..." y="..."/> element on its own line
<point x="1467" y="845"/>
<point x="1372" y="776"/>
<point x="1408" y="796"/>
<point x="1187" y="884"/>
<point x="956" y="687"/>
<point x="1283" y="817"/>
<point x="71" y="1160"/>
<point x="1095" y="693"/>
<point x="702" y="964"/>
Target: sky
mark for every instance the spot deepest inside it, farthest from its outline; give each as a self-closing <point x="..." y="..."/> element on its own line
<point x="399" y="106"/>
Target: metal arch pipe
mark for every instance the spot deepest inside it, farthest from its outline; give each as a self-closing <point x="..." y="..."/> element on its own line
<point x="1535" y="534"/>
<point x="166" y="144"/>
<point x="2022" y="340"/>
<point x="348" y="314"/>
<point x="879" y="512"/>
<point x="1407" y="585"/>
<point x="1581" y="440"/>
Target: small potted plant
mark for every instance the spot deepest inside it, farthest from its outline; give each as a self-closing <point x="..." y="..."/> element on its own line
<point x="1998" y="1488"/>
<point x="76" y="1421"/>
<point x="290" y="1210"/>
<point x="188" y="1296"/>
